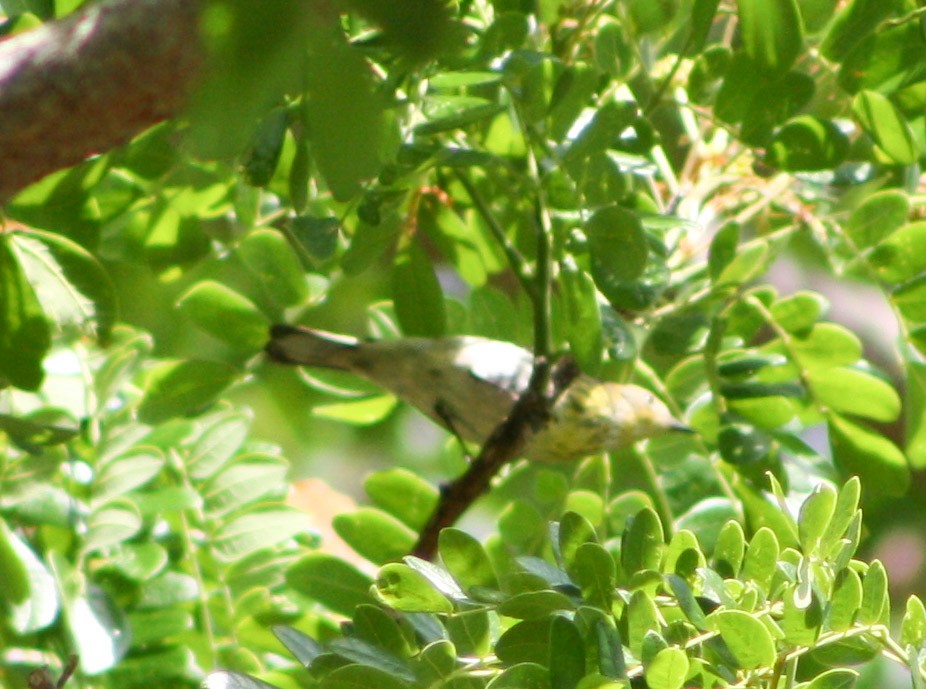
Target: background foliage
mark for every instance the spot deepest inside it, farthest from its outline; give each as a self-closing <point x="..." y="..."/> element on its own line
<point x="415" y="168"/>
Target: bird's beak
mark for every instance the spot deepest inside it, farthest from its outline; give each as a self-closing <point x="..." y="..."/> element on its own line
<point x="679" y="427"/>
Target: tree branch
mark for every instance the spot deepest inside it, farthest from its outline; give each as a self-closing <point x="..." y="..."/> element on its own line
<point x="92" y="81"/>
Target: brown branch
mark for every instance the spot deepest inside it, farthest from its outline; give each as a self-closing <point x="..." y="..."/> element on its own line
<point x="502" y="446"/>
<point x="530" y="412"/>
<point x="92" y="81"/>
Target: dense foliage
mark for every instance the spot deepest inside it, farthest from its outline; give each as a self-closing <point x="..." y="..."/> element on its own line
<point x="611" y="178"/>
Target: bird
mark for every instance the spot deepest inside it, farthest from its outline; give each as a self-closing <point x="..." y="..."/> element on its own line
<point x="469" y="385"/>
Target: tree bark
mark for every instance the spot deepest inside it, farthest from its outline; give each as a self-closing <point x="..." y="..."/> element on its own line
<point x="92" y="81"/>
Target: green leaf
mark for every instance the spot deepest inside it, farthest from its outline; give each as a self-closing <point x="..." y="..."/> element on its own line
<point x="595" y="571"/>
<point x="814" y="517"/>
<point x="72" y="286"/>
<point x="183" y="387"/>
<point x="225" y="314"/>
<point x="303" y="647"/>
<point x="910" y="299"/>
<point x="744" y="446"/>
<point x="138" y="561"/>
<point x="850" y="391"/>
<point x="374" y="534"/>
<point x="459" y="242"/>
<point x="729" y="549"/>
<point x="444" y="113"/>
<point x="401" y="587"/>
<point x="913" y="627"/>
<point x="158" y="626"/>
<point x="844" y="512"/>
<point x="643" y="543"/>
<point x="668" y="670"/>
<point x="522" y="676"/>
<point x="381" y="628"/>
<point x="899" y="257"/>
<point x="331" y="581"/>
<point x="371" y="655"/>
<point x="752" y="390"/>
<point x="567" y="654"/>
<point x="466" y="560"/>
<point x="837" y="678"/>
<point x="573" y="91"/>
<point x="876" y="606"/>
<point x="526" y="642"/>
<point x="598" y="135"/>
<point x="610" y="649"/>
<point x="877" y="216"/>
<point x="702" y="18"/>
<point x="617" y="246"/>
<point x="845" y="600"/>
<point x="798" y="312"/>
<point x="32" y="434"/>
<point x="118" y="521"/>
<point x="221" y="438"/>
<point x="471" y="633"/>
<point x="318" y="236"/>
<point x="722" y="251"/>
<point x="345" y="115"/>
<point x="417" y="294"/>
<point x="642" y="618"/>
<point x="826" y="344"/>
<point x="128" y="471"/>
<point x="687" y="601"/>
<point x="747" y="638"/>
<point x="244" y="482"/>
<point x="275" y="266"/>
<point x="614" y="51"/>
<point x="858" y="450"/>
<point x="574" y="531"/>
<point x="886" y="125"/>
<point x="436" y="661"/>
<point x="362" y="412"/>
<point x="761" y="558"/>
<point x="683" y="554"/>
<point x="916" y="414"/>
<point x="854" y="22"/>
<point x="533" y="605"/>
<point x="169" y="589"/>
<point x="243" y="535"/>
<point x="403" y="494"/>
<point x="748" y="264"/>
<point x="13" y="570"/>
<point x="808" y="143"/>
<point x="300" y="172"/>
<point x="97" y="628"/>
<point x="891" y="58"/>
<point x="772" y="32"/>
<point x="25" y="337"/>
<point x="801" y="619"/>
<point x="706" y="518"/>
<point x="261" y="160"/>
<point x="653" y="643"/>
<point x="358" y="676"/>
<point x="583" y="317"/>
<point x="257" y="59"/>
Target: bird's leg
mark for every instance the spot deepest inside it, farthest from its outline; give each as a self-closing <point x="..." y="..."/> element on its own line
<point x="442" y="412"/>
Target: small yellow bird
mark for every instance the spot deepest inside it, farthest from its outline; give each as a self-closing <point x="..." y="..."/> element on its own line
<point x="470" y="384"/>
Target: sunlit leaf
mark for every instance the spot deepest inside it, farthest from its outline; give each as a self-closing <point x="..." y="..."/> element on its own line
<point x="24" y="333"/>
<point x="178" y="388"/>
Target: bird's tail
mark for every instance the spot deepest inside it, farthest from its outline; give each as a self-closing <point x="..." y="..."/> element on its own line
<point x="304" y="346"/>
